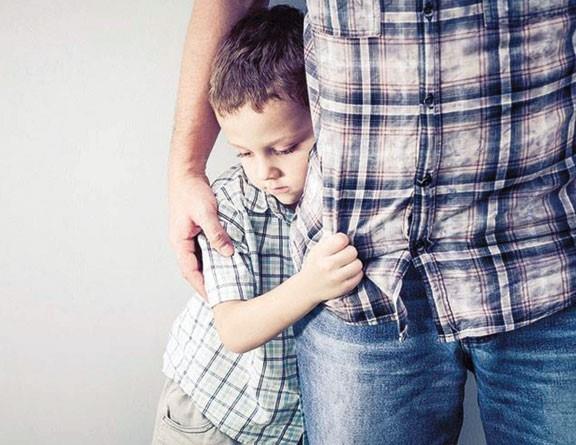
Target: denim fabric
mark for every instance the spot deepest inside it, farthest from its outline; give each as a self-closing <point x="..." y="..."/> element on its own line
<point x="361" y="385"/>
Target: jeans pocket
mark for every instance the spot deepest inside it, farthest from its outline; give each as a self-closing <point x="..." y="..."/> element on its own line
<point x="345" y="18"/>
<point x="514" y="13"/>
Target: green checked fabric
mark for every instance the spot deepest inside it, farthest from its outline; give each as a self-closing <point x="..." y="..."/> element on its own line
<point x="252" y="397"/>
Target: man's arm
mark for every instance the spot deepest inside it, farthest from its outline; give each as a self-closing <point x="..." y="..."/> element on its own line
<point x="192" y="203"/>
<point x="330" y="270"/>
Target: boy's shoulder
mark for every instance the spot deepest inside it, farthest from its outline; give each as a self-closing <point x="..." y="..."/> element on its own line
<point x="229" y="183"/>
<point x="234" y="193"/>
<point x="230" y="188"/>
<point x="242" y="204"/>
<point x="238" y="202"/>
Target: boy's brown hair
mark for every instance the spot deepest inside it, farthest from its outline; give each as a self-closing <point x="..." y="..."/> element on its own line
<point x="262" y="58"/>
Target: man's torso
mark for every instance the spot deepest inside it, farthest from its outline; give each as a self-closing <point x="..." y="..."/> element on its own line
<point x="445" y="134"/>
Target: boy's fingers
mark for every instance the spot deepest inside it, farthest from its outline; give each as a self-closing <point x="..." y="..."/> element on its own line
<point x="351" y="270"/>
<point x="330" y="244"/>
<point x="345" y="256"/>
<point x="354" y="281"/>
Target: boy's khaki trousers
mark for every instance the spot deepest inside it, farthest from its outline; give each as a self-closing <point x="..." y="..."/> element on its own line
<point x="179" y="422"/>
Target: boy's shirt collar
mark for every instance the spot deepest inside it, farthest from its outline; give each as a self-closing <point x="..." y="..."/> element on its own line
<point x="258" y="201"/>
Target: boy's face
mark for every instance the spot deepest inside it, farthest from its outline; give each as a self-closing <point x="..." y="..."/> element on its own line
<point x="273" y="146"/>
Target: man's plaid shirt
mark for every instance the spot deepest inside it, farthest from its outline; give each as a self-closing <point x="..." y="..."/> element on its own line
<point x="252" y="397"/>
<point x="445" y="138"/>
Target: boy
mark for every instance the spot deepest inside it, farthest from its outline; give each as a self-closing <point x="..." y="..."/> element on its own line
<point x="232" y="372"/>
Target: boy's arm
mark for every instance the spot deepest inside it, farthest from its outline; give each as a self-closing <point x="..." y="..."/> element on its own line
<point x="192" y="203"/>
<point x="330" y="270"/>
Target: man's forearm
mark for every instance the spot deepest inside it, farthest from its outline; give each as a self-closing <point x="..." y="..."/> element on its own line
<point x="195" y="127"/>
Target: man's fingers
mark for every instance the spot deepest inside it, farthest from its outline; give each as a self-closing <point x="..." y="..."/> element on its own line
<point x="218" y="238"/>
<point x="190" y="262"/>
<point x="196" y="280"/>
<point x="182" y="232"/>
<point x="330" y="244"/>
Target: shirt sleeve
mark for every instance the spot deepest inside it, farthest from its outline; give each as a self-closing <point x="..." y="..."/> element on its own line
<point x="228" y="278"/>
<point x="312" y="75"/>
<point x="306" y="229"/>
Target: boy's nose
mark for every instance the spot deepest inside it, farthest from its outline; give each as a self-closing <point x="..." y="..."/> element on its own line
<point x="267" y="170"/>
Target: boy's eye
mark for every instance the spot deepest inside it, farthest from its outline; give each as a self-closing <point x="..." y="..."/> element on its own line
<point x="286" y="151"/>
<point x="242" y="155"/>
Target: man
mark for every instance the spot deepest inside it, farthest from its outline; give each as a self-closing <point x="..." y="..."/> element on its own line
<point x="444" y="136"/>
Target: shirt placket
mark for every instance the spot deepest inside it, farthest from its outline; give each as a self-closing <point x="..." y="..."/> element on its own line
<point x="429" y="154"/>
<point x="428" y="146"/>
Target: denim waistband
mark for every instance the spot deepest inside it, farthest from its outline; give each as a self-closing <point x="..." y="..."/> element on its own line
<point x="413" y="295"/>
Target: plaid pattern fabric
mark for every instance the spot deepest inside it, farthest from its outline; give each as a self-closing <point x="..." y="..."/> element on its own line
<point x="445" y="139"/>
<point x="251" y="397"/>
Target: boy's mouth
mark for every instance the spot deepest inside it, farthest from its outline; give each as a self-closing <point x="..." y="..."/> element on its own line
<point x="282" y="189"/>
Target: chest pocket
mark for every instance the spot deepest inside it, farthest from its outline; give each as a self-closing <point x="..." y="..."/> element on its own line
<point x="345" y="18"/>
<point x="514" y="13"/>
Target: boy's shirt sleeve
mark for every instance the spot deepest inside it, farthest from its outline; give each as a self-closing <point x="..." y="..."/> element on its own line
<point x="228" y="278"/>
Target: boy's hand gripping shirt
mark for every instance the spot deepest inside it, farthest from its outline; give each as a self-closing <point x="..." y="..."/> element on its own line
<point x="445" y="138"/>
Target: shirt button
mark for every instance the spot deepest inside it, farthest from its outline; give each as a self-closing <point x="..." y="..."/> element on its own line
<point x="428" y="10"/>
<point x="429" y="100"/>
<point x="425" y="181"/>
<point x="420" y="246"/>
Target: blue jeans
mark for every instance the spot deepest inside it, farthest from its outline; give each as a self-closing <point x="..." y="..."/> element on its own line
<point x="361" y="385"/>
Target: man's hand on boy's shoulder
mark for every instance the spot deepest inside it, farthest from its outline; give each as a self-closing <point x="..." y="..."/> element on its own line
<point x="193" y="208"/>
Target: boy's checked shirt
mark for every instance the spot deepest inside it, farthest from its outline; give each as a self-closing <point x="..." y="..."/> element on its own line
<point x="251" y="397"/>
<point x="446" y="139"/>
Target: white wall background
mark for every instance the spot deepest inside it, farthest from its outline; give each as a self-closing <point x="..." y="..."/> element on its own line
<point x="88" y="283"/>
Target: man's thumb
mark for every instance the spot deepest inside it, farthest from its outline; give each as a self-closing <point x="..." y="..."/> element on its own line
<point x="219" y="239"/>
